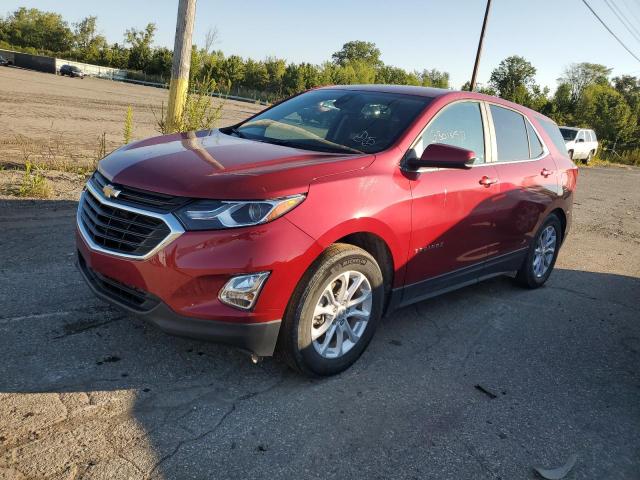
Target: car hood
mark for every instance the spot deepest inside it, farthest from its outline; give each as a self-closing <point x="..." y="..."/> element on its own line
<point x="211" y="164"/>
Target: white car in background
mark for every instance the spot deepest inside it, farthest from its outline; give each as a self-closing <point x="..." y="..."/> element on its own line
<point x="581" y="143"/>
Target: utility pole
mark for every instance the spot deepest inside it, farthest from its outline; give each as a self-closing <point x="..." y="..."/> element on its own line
<point x="475" y="66"/>
<point x="181" y="63"/>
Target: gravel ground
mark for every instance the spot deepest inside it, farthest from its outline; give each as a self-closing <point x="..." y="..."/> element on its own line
<point x="51" y="118"/>
<point x="485" y="382"/>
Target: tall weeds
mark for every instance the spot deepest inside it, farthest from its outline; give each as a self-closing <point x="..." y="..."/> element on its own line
<point x="33" y="183"/>
<point x="201" y="111"/>
<point x="127" y="131"/>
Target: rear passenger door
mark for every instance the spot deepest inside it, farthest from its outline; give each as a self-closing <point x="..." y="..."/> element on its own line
<point x="528" y="185"/>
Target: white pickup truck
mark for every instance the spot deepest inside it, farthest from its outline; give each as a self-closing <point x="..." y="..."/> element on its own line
<point x="581" y="143"/>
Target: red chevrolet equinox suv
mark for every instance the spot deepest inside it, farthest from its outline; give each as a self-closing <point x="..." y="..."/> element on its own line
<point x="296" y="230"/>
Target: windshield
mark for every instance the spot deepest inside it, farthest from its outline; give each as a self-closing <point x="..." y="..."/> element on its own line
<point x="345" y="121"/>
<point x="568" y="134"/>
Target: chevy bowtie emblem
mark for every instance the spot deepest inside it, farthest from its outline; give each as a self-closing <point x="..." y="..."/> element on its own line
<point x="110" y="191"/>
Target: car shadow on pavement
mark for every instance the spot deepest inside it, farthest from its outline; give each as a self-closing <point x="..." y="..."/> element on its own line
<point x="482" y="382"/>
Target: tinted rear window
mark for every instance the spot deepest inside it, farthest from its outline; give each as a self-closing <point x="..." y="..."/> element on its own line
<point x="511" y="134"/>
<point x="553" y="131"/>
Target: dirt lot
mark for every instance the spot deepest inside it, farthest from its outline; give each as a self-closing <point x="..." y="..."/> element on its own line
<point x="87" y="392"/>
<point x="60" y="120"/>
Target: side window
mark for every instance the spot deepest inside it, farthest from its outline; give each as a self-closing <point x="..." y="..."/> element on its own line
<point x="593" y="136"/>
<point x="459" y="125"/>
<point x="511" y="134"/>
<point x="552" y="130"/>
<point x="535" y="145"/>
<point x="580" y="136"/>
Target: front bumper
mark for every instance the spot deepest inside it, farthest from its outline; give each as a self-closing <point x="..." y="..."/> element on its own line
<point x="258" y="338"/>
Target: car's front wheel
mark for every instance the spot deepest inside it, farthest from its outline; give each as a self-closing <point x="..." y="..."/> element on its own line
<point x="334" y="312"/>
<point x="542" y="254"/>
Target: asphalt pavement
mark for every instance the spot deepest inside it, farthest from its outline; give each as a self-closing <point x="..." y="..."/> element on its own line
<point x="485" y="382"/>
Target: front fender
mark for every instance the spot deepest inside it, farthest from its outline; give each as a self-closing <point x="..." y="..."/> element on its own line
<point x="368" y="201"/>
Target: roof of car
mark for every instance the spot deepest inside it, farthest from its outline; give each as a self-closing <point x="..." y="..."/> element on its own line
<point x="403" y="89"/>
<point x="576" y="128"/>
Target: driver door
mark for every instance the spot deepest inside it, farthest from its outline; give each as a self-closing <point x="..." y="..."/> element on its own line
<point x="452" y="209"/>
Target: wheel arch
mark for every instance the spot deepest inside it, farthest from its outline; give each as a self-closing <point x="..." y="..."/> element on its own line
<point x="378" y="249"/>
<point x="562" y="216"/>
<point x="375" y="237"/>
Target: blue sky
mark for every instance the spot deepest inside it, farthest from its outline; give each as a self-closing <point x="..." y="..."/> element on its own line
<point x="413" y="34"/>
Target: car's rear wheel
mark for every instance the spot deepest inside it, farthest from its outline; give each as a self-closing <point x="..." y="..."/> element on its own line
<point x="588" y="159"/>
<point x="542" y="254"/>
<point x="333" y="313"/>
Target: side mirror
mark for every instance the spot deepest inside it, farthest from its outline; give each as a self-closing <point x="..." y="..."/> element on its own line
<point x="439" y="155"/>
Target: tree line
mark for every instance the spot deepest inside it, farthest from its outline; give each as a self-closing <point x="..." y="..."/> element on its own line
<point x="586" y="95"/>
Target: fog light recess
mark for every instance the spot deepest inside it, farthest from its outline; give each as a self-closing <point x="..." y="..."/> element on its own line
<point x="242" y="291"/>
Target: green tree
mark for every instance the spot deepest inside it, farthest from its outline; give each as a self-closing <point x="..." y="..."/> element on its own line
<point x="562" y="106"/>
<point x="360" y="51"/>
<point x="514" y="79"/>
<point x="160" y="63"/>
<point x="275" y="69"/>
<point x="479" y="88"/>
<point x="140" y="50"/>
<point x="293" y="79"/>
<point x="580" y="75"/>
<point x="37" y="29"/>
<point x="256" y="75"/>
<point x="629" y="87"/>
<point x="396" y="76"/>
<point x="233" y="70"/>
<point x="604" y="109"/>
<point x="434" y="78"/>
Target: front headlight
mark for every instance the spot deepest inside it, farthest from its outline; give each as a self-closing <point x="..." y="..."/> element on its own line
<point x="218" y="214"/>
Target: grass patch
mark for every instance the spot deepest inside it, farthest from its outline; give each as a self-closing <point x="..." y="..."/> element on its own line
<point x="200" y="111"/>
<point x="609" y="158"/>
<point x="127" y="130"/>
<point x="53" y="153"/>
<point x="34" y="184"/>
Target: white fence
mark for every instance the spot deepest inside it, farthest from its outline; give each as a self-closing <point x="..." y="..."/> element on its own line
<point x="94" y="70"/>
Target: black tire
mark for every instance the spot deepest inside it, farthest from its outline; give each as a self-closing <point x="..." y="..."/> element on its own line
<point x="588" y="159"/>
<point x="570" y="153"/>
<point x="295" y="342"/>
<point x="526" y="275"/>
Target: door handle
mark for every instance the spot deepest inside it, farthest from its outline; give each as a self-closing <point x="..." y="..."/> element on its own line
<point x="487" y="182"/>
<point x="545" y="173"/>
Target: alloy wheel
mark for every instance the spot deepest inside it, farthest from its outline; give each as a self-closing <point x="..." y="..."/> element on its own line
<point x="341" y="314"/>
<point x="544" y="252"/>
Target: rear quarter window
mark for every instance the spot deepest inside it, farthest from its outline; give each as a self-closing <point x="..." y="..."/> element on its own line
<point x="552" y="130"/>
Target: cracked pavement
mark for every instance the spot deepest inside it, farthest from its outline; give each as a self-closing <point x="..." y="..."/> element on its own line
<point x="484" y="382"/>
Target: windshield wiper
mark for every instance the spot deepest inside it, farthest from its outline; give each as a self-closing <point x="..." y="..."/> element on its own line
<point x="237" y="132"/>
<point x="315" y="147"/>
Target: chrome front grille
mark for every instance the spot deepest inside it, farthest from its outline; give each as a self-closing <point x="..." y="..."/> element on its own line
<point x="122" y="230"/>
<point x="135" y="197"/>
